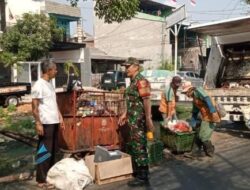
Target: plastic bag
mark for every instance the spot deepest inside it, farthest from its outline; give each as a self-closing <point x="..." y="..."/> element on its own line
<point x="69" y="174"/>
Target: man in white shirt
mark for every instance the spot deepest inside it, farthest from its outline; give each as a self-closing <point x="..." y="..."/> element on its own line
<point x="48" y="118"/>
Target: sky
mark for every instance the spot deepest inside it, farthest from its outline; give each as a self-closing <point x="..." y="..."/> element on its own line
<point x="212" y="10"/>
<point x="204" y="11"/>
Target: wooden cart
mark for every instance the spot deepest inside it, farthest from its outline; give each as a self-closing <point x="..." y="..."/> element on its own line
<point x="91" y="119"/>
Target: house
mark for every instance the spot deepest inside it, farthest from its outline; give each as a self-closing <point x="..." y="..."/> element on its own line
<point x="11" y="10"/>
<point x="192" y="49"/>
<point x="143" y="36"/>
<point x="76" y="46"/>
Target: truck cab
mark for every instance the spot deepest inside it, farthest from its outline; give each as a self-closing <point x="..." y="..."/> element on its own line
<point x="112" y="80"/>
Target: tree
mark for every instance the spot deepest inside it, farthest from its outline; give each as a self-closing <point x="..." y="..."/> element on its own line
<point x="247" y="1"/>
<point x="167" y="65"/>
<point x="114" y="10"/>
<point x="29" y="39"/>
<point x="69" y="66"/>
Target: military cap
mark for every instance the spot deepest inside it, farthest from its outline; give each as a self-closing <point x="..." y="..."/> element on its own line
<point x="131" y="61"/>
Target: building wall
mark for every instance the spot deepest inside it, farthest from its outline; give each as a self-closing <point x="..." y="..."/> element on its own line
<point x="76" y="56"/>
<point x="142" y="37"/>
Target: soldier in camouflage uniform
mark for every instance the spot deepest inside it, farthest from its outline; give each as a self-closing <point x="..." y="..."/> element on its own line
<point x="138" y="117"/>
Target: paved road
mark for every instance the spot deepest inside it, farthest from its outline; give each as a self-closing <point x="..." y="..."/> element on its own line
<point x="228" y="170"/>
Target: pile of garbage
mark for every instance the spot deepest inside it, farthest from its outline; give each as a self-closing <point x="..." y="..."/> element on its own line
<point x="90" y="103"/>
<point x="177" y="126"/>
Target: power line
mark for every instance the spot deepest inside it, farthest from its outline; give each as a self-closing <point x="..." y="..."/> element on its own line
<point x="228" y="5"/>
<point x="235" y="7"/>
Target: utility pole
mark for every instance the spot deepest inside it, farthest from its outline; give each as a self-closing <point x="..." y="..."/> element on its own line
<point x="175" y="33"/>
<point x="172" y="20"/>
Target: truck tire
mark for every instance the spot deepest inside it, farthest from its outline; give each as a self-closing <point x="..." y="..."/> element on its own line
<point x="11" y="100"/>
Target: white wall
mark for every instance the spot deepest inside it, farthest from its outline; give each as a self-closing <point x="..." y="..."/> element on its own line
<point x="16" y="8"/>
<point x="137" y="37"/>
<point x="76" y="56"/>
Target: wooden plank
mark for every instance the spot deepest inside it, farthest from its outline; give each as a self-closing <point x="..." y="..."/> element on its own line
<point x="13" y="89"/>
<point x="113" y="179"/>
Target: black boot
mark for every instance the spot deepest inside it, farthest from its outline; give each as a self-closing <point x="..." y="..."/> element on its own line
<point x="141" y="178"/>
<point x="196" y="149"/>
<point x="208" y="148"/>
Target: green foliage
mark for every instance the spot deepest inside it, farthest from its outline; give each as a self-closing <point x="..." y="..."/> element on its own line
<point x="5" y="117"/>
<point x="30" y="39"/>
<point x="24" y="126"/>
<point x="166" y="65"/>
<point x="68" y="67"/>
<point x="247" y="1"/>
<point x="11" y="108"/>
<point x="114" y="10"/>
<point x="2" y="112"/>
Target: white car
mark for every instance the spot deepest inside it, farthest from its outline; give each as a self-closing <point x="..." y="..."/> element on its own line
<point x="191" y="76"/>
<point x="158" y="79"/>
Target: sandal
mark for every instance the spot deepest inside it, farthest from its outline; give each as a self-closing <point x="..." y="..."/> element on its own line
<point x="50" y="186"/>
<point x="45" y="186"/>
<point x="41" y="185"/>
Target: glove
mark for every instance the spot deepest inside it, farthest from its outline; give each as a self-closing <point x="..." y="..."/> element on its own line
<point x="209" y="105"/>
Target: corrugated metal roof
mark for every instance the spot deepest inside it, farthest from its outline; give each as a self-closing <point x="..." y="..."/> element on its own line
<point x="224" y="27"/>
<point x="62" y="9"/>
<point x="98" y="54"/>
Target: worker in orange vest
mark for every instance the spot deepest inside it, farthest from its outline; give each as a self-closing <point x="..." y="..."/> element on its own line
<point x="205" y="106"/>
<point x="168" y="100"/>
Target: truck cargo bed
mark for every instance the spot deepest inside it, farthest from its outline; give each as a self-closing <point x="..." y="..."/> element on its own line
<point x="229" y="92"/>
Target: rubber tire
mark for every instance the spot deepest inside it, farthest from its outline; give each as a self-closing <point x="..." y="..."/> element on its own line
<point x="11" y="100"/>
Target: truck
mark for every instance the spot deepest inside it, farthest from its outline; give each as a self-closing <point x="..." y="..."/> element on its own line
<point x="11" y="92"/>
<point x="227" y="77"/>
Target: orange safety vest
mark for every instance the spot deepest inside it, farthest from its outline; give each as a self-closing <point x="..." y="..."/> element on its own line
<point x="205" y="113"/>
<point x="167" y="107"/>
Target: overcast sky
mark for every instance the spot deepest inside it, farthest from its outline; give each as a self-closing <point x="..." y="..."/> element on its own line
<point x="204" y="11"/>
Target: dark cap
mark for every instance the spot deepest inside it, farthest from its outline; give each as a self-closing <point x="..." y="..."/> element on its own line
<point x="176" y="80"/>
<point x="130" y="61"/>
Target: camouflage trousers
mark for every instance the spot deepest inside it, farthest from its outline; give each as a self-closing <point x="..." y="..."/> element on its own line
<point x="137" y="146"/>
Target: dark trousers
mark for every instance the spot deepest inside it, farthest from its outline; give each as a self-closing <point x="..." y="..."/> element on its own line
<point x="46" y="151"/>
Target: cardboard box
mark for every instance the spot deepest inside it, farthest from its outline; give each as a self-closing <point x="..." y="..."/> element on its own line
<point x="110" y="171"/>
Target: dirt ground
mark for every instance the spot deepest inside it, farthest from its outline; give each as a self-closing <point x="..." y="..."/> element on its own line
<point x="24" y="108"/>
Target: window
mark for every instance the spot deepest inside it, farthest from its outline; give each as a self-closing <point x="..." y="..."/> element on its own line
<point x="120" y="75"/>
<point x="181" y="74"/>
<point x="196" y="75"/>
<point x="189" y="74"/>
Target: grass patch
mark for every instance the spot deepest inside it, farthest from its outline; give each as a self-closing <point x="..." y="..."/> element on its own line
<point x="25" y="126"/>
